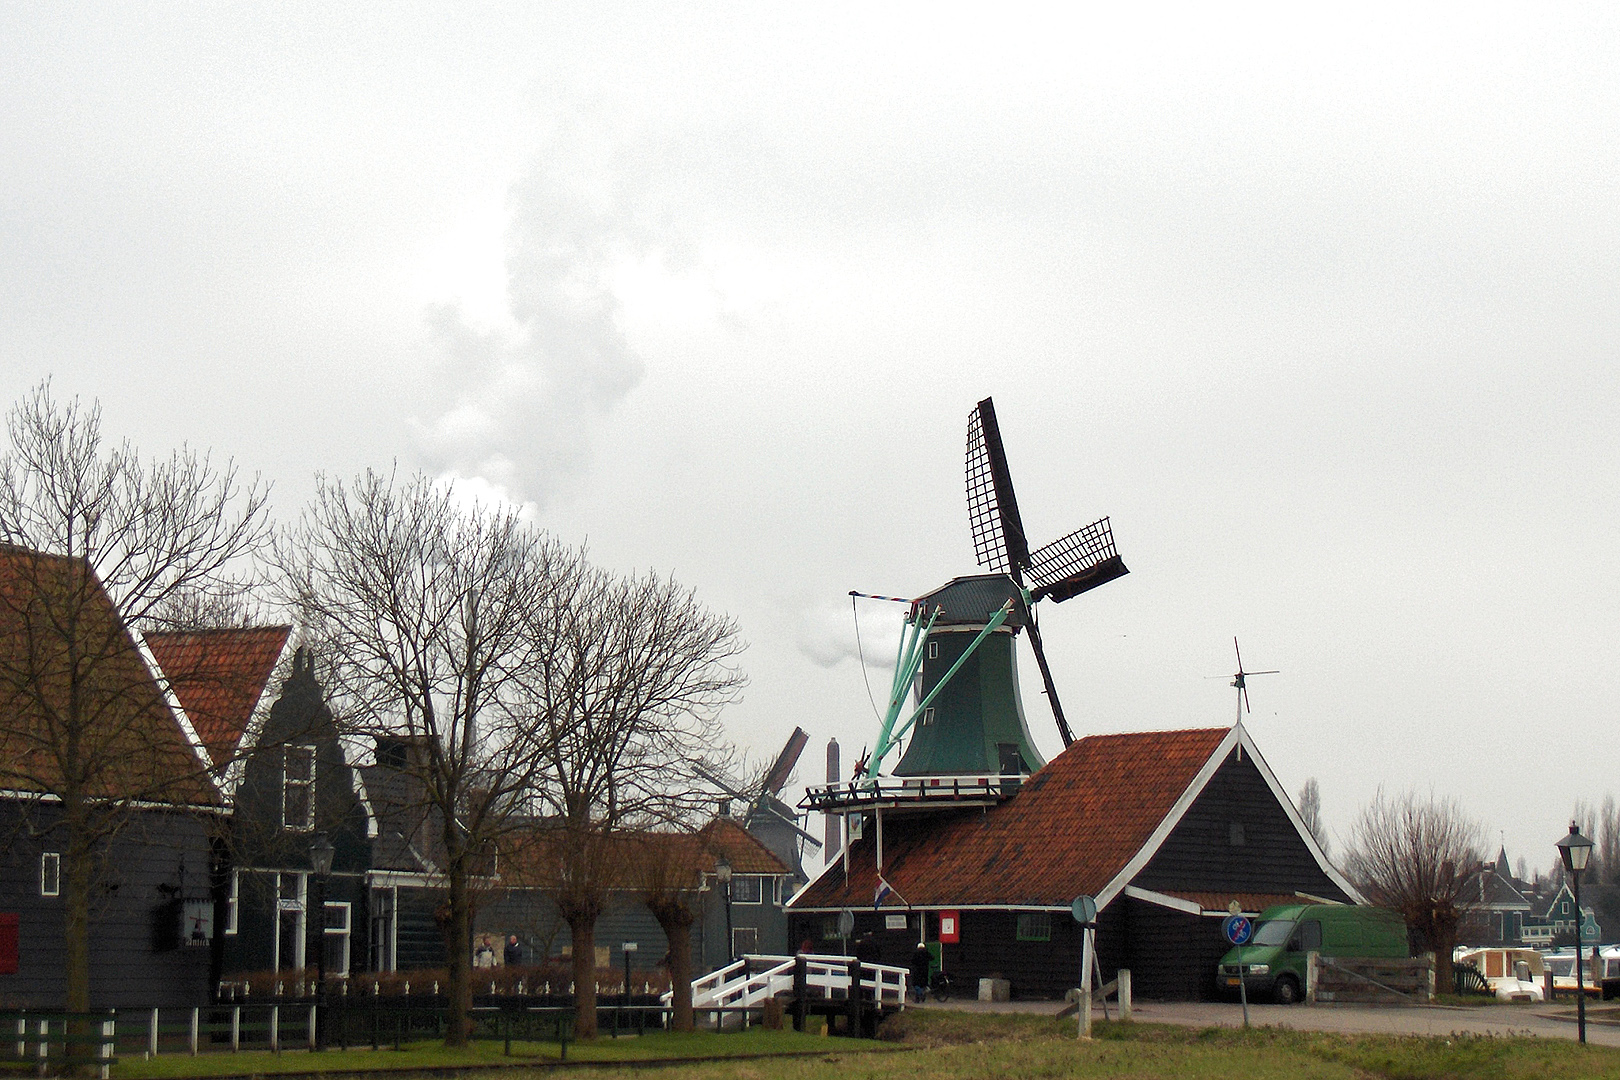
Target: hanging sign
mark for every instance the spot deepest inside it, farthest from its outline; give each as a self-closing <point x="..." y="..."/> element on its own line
<point x="1084" y="910"/>
<point x="950" y="927"/>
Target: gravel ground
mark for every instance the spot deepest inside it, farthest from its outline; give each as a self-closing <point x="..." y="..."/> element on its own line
<point x="1557" y="1022"/>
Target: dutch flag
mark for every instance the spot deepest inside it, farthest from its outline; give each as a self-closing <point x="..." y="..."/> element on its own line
<point x="882" y="891"/>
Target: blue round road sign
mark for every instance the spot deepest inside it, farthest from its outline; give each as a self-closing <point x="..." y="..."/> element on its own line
<point x="1238" y="929"/>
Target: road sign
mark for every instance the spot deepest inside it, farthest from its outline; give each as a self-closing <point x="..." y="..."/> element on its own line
<point x="1084" y="910"/>
<point x="1238" y="929"/>
<point x="846" y="923"/>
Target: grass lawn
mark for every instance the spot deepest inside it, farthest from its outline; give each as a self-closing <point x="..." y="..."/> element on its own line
<point x="434" y="1055"/>
<point x="946" y="1045"/>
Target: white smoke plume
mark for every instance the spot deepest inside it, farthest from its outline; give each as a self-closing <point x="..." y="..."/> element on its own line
<point x="515" y="404"/>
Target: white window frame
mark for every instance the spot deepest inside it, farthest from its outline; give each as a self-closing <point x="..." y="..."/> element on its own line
<point x="233" y="901"/>
<point x="288" y="783"/>
<point x="736" y="947"/>
<point x="933" y="650"/>
<point x="298" y="902"/>
<point x="758" y="881"/>
<point x="50" y="873"/>
<point x="345" y="931"/>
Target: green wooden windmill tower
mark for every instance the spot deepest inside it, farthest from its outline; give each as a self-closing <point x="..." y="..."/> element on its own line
<point x="955" y="698"/>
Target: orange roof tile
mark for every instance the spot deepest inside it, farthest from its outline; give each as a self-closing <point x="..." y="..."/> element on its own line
<point x="131" y="743"/>
<point x="632" y="859"/>
<point x="219" y="677"/>
<point x="1071" y="829"/>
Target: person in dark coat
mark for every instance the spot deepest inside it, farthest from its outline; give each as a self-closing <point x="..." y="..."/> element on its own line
<point x="922" y="962"/>
<point x="512" y="955"/>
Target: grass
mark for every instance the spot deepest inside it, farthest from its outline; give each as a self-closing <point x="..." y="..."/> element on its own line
<point x="947" y="1045"/>
<point x="435" y="1056"/>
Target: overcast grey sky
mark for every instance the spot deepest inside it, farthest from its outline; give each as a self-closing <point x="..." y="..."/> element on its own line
<point x="1318" y="303"/>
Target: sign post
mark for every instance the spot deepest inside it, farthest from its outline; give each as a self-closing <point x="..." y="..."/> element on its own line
<point x="1084" y="910"/>
<point x="1239" y="929"/>
<point x="846" y="927"/>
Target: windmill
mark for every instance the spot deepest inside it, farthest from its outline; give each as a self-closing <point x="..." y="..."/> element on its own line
<point x="1240" y="681"/>
<point x="957" y="648"/>
<point x="1058" y="571"/>
<point x="771" y="821"/>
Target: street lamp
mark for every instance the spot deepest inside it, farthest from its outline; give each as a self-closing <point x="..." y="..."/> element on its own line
<point x="1576" y="851"/>
<point x="722" y="874"/>
<point x="320" y="861"/>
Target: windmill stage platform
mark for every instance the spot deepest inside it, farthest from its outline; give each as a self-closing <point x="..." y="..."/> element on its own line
<point x="912" y="793"/>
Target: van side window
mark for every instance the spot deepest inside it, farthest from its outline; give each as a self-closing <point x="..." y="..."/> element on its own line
<point x="1309" y="936"/>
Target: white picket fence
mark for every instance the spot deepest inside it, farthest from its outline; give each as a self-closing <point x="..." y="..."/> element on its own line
<point x="755" y="977"/>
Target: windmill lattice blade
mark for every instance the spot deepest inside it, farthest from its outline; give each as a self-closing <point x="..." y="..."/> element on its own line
<point x="1239" y="654"/>
<point x="999" y="543"/>
<point x="785" y="761"/>
<point x="1077" y="563"/>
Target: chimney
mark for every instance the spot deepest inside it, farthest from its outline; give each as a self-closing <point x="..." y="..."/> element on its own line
<point x="831" y="839"/>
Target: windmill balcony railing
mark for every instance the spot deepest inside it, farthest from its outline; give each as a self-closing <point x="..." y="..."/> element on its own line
<point x="913" y="790"/>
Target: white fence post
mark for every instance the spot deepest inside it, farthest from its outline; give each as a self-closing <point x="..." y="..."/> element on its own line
<point x="152" y="1035"/>
<point x="22" y="1037"/>
<point x="1313" y="975"/>
<point x="109" y="1036"/>
<point x="311" y="1032"/>
<point x="236" y="1028"/>
<point x="44" y="1044"/>
<point x="1124" y="993"/>
<point x="194" y="1018"/>
<point x="275" y="1027"/>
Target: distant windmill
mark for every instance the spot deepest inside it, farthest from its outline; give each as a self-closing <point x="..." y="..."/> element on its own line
<point x="1058" y="571"/>
<point x="772" y="821"/>
<point x="1240" y="681"/>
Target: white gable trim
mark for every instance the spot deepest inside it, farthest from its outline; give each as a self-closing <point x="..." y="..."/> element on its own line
<point x="1237" y="738"/>
<point x="161" y="681"/>
<point x="1164" y="900"/>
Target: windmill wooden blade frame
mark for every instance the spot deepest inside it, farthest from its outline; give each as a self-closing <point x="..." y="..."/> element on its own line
<point x="1077" y="563"/>
<point x="999" y="543"/>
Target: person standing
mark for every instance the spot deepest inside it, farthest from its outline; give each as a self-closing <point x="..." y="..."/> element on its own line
<point x="922" y="963"/>
<point x="512" y="955"/>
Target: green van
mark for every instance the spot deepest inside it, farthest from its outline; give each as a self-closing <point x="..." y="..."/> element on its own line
<point x="1273" y="962"/>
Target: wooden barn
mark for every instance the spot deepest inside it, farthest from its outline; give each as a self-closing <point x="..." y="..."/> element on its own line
<point x="1165" y="829"/>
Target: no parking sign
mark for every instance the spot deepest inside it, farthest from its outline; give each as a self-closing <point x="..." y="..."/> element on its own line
<point x="1238" y="929"/>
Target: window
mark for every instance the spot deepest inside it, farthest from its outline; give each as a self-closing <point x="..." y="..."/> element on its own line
<point x="383" y="902"/>
<point x="928" y="716"/>
<point x="829" y="928"/>
<point x="747" y="889"/>
<point x="1234" y="834"/>
<point x="933" y="650"/>
<point x="1034" y="926"/>
<point x="338" y="916"/>
<point x="1564" y="909"/>
<point x="744" y="939"/>
<point x="233" y="901"/>
<point x="50" y="873"/>
<point x="1309" y="937"/>
<point x="298" y="788"/>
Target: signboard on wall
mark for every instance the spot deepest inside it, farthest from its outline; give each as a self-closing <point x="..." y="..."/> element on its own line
<point x="894" y="922"/>
<point x="950" y="927"/>
<point x="197" y="922"/>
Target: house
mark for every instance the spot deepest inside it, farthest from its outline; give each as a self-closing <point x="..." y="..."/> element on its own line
<point x="1557" y="920"/>
<point x="690" y="863"/>
<point x="158" y="814"/>
<point x="1167" y="830"/>
<point x="1495" y="905"/>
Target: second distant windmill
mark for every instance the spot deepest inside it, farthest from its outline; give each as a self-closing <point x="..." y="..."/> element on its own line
<point x="1240" y="681"/>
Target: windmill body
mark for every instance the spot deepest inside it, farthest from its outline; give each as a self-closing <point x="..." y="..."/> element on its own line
<point x="975" y="724"/>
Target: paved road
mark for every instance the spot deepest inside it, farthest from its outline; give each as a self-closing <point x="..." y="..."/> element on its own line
<point x="1539" y="1020"/>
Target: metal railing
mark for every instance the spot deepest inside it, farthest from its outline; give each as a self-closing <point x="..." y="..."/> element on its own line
<point x="912" y="790"/>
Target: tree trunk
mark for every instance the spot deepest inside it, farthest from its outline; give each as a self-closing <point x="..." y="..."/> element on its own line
<point x="582" y="929"/>
<point x="457" y="945"/>
<point x="76" y="874"/>
<point x="676" y="919"/>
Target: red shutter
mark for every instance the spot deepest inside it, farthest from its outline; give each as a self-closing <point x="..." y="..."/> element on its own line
<point x="8" y="944"/>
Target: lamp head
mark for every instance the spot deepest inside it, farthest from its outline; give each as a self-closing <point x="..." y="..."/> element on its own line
<point x="1575" y="850"/>
<point x="722" y="870"/>
<point x="320" y="854"/>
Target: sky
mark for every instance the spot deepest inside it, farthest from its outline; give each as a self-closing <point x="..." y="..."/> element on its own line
<point x="1317" y="302"/>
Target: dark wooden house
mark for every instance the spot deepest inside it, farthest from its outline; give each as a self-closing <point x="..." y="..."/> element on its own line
<point x="1164" y="829"/>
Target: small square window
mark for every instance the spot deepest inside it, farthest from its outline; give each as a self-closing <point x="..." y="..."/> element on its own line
<point x="50" y="873"/>
<point x="747" y="889"/>
<point x="744" y="940"/>
<point x="1234" y="834"/>
<point x="933" y="650"/>
<point x="928" y="716"/>
<point x="1034" y="926"/>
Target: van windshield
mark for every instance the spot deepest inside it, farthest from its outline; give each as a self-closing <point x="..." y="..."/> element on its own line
<point x="1274" y="932"/>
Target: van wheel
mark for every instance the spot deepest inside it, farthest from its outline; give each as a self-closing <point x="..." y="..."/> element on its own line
<point x="1287" y="990"/>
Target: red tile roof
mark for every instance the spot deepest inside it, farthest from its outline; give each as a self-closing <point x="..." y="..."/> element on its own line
<point x="1071" y="829"/>
<point x="219" y="677"/>
<point x="637" y="858"/>
<point x="132" y="744"/>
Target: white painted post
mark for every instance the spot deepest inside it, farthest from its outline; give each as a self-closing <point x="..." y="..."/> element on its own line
<point x="236" y="1028"/>
<point x="1313" y="975"/>
<point x="1124" y="993"/>
<point x="44" y="1044"/>
<point x="194" y="1019"/>
<point x="152" y="1035"/>
<point x="108" y="1027"/>
<point x="1084" y="1004"/>
<point x="275" y="1027"/>
<point x="22" y="1037"/>
<point x="311" y="1031"/>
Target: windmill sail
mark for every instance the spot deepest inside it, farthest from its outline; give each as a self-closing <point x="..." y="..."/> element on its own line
<point x="1075" y="564"/>
<point x="998" y="532"/>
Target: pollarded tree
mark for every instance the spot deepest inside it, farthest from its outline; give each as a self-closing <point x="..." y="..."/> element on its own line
<point x="629" y="676"/>
<point x="1415" y="855"/>
<point x="424" y="605"/>
<point x="96" y="542"/>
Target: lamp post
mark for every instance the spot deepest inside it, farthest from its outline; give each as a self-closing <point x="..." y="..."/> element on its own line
<point x="1576" y="850"/>
<point x="320" y="861"/>
<point x="722" y="874"/>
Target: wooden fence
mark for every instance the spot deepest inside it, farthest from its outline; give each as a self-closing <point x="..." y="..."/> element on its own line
<point x="1370" y="980"/>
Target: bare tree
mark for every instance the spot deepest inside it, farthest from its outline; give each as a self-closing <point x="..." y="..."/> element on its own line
<point x="1310" y="810"/>
<point x="96" y="541"/>
<point x="425" y="606"/>
<point x="1415" y="855"/>
<point x="630" y="675"/>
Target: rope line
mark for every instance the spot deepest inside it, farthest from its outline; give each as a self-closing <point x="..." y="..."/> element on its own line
<point x="860" y="652"/>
